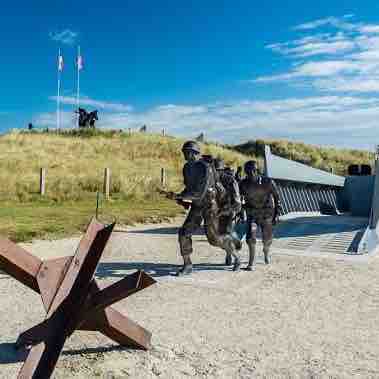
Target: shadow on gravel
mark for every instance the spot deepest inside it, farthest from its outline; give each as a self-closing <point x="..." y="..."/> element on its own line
<point x="9" y="354"/>
<point x="156" y="270"/>
<point x="297" y="227"/>
<point x="97" y="350"/>
<point x="316" y="226"/>
<point x="164" y="231"/>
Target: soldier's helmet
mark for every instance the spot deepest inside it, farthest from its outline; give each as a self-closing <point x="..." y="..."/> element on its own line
<point x="250" y="166"/>
<point x="207" y="158"/>
<point x="191" y="146"/>
<point x="219" y="164"/>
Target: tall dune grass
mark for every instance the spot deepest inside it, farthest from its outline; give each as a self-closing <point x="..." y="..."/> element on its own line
<point x="75" y="164"/>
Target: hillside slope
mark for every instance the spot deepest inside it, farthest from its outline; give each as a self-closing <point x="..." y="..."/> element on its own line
<point x="75" y="164"/>
<point x="74" y="173"/>
<point x="324" y="158"/>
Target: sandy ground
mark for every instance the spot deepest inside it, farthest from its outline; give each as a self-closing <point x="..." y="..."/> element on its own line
<point x="301" y="317"/>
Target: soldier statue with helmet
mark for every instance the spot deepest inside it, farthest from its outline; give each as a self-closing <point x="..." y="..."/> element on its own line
<point x="262" y="208"/>
<point x="201" y="189"/>
<point x="230" y="203"/>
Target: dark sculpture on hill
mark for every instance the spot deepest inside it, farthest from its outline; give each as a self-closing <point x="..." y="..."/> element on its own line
<point x="87" y="119"/>
<point x="200" y="137"/>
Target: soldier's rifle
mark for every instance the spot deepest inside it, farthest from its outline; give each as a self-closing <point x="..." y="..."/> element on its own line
<point x="186" y="203"/>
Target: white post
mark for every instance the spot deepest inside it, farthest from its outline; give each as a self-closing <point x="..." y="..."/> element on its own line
<point x="107" y="180"/>
<point x="163" y="177"/>
<point x="42" y="181"/>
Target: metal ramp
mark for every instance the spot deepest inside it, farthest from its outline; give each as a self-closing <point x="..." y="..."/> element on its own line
<point x="319" y="234"/>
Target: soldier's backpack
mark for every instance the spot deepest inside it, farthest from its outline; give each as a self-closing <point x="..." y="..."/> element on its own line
<point x="214" y="177"/>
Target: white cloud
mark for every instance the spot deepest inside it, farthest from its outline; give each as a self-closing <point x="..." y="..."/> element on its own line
<point x="328" y="21"/>
<point x="313" y="70"/>
<point x="369" y="29"/>
<point x="348" y="121"/>
<point x="66" y="36"/>
<point x="49" y="120"/>
<point x="345" y="84"/>
<point x="116" y="107"/>
<point x="319" y="48"/>
<point x="343" y="60"/>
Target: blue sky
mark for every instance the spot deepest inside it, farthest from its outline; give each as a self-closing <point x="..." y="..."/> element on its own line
<point x="235" y="70"/>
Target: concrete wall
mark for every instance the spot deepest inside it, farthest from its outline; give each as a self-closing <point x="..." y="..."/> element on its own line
<point x="375" y="201"/>
<point x="357" y="195"/>
<point x="370" y="240"/>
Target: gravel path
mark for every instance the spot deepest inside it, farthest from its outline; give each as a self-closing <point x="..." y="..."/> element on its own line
<point x="301" y="317"/>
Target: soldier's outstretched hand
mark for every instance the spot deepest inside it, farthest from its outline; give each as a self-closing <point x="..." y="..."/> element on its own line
<point x="184" y="204"/>
<point x="275" y="220"/>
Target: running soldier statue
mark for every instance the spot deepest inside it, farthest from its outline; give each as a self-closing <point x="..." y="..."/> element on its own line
<point x="262" y="209"/>
<point x="229" y="204"/>
<point x="238" y="175"/>
<point x="201" y="189"/>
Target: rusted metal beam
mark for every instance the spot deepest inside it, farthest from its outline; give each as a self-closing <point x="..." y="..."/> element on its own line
<point x="50" y="277"/>
<point x="19" y="263"/>
<point x="43" y="358"/>
<point x="120" y="290"/>
<point x="119" y="328"/>
<point x="73" y="299"/>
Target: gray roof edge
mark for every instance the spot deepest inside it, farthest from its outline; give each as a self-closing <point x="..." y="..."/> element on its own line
<point x="281" y="168"/>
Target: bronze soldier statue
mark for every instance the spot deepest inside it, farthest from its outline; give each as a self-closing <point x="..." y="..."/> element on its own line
<point x="229" y="203"/>
<point x="262" y="209"/>
<point x="238" y="175"/>
<point x="201" y="191"/>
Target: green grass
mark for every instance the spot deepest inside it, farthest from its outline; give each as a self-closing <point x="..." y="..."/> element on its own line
<point x="75" y="163"/>
<point x="47" y="219"/>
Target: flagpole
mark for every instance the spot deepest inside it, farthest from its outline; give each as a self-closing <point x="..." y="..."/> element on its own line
<point x="78" y="85"/>
<point x="58" y="90"/>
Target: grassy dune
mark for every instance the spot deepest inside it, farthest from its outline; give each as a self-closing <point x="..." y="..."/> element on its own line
<point x="324" y="158"/>
<point x="75" y="169"/>
<point x="75" y="164"/>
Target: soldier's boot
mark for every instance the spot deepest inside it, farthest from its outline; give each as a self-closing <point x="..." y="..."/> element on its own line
<point x="228" y="260"/>
<point x="252" y="256"/>
<point x="237" y="263"/>
<point x="234" y="244"/>
<point x="229" y="247"/>
<point x="185" y="243"/>
<point x="186" y="269"/>
<point x="266" y="252"/>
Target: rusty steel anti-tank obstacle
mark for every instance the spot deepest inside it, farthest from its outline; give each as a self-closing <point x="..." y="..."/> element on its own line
<point x="73" y="299"/>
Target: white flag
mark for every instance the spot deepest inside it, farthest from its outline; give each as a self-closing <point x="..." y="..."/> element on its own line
<point x="79" y="62"/>
<point x="60" y="62"/>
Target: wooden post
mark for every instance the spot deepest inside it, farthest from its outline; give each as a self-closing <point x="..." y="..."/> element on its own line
<point x="163" y="177"/>
<point x="107" y="180"/>
<point x="163" y="132"/>
<point x="130" y="131"/>
<point x="42" y="181"/>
